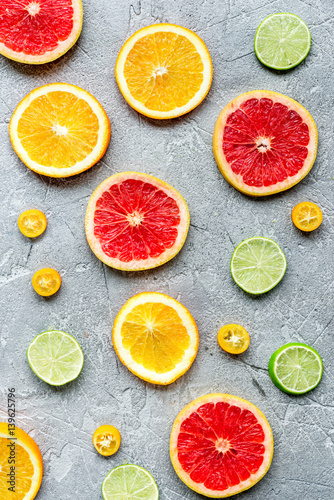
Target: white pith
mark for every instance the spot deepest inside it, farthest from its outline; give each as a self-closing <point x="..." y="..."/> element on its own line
<point x="125" y="355"/>
<point x="90" y="160"/>
<point x="236" y="180"/>
<point x="136" y="265"/>
<point x="51" y="55"/>
<point x="243" y="485"/>
<point x="201" y="49"/>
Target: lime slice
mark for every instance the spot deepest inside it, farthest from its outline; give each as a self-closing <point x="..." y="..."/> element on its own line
<point x="295" y="368"/>
<point x="129" y="482"/>
<point x="257" y="265"/>
<point x="55" y="357"/>
<point x="282" y="41"/>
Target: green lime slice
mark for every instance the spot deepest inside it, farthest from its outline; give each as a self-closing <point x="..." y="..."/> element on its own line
<point x="55" y="357"/>
<point x="295" y="368"/>
<point x="257" y="265"/>
<point x="129" y="482"/>
<point x="282" y="41"/>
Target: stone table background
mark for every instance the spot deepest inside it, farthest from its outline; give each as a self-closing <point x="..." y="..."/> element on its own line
<point x="62" y="421"/>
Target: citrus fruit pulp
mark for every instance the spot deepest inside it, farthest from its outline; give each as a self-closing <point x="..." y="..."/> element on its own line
<point x="55" y="357"/>
<point x="28" y="465"/>
<point x="46" y="282"/>
<point x="155" y="337"/>
<point x="130" y="482"/>
<point x="164" y="70"/>
<point x="107" y="440"/>
<point x="306" y="216"/>
<point x="59" y="130"/>
<point x="264" y="142"/>
<point x="38" y="31"/>
<point x="295" y="368"/>
<point x="233" y="339"/>
<point x="221" y="445"/>
<point x="135" y="221"/>
<point x="32" y="223"/>
<point x="258" y="265"/>
<point x="282" y="41"/>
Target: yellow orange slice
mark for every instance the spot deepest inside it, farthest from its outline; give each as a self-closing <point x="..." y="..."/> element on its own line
<point x="306" y="216"/>
<point x="155" y="337"/>
<point x="28" y="465"/>
<point x="59" y="130"/>
<point x="164" y="71"/>
<point x="233" y="339"/>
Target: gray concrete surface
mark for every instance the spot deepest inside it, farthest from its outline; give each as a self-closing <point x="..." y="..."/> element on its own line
<point x="62" y="421"/>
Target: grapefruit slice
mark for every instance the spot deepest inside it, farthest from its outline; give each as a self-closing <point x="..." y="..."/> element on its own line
<point x="221" y="445"/>
<point x="135" y="221"/>
<point x="38" y="31"/>
<point x="264" y="142"/>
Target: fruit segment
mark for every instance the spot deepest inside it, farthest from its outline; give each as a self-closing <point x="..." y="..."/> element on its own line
<point x="264" y="142"/>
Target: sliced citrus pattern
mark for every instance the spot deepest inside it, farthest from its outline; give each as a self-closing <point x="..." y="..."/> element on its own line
<point x="59" y="130"/>
<point x="106" y="440"/>
<point x="306" y="216"/>
<point x="221" y="445"/>
<point x="28" y="465"/>
<point x="135" y="221"/>
<point x="38" y="31"/>
<point x="46" y="282"/>
<point x="164" y="71"/>
<point x="233" y="339"/>
<point x="264" y="142"/>
<point x="155" y="337"/>
<point x="32" y="223"/>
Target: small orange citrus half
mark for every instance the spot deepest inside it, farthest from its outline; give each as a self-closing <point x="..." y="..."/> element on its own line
<point x="46" y="282"/>
<point x="106" y="440"/>
<point x="306" y="216"/>
<point x="164" y="71"/>
<point x="233" y="339"/>
<point x="28" y="464"/>
<point x="32" y="223"/>
<point x="59" y="130"/>
<point x="155" y="337"/>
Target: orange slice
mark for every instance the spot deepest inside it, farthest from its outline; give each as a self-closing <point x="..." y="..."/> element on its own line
<point x="164" y="71"/>
<point x="46" y="282"/>
<point x="26" y="476"/>
<point x="32" y="223"/>
<point x="233" y="339"/>
<point x="106" y="440"/>
<point x="59" y="130"/>
<point x="306" y="216"/>
<point x="155" y="337"/>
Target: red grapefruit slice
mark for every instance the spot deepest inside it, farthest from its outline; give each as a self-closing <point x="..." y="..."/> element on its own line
<point x="135" y="221"/>
<point x="264" y="142"/>
<point x="221" y="445"/>
<point x="38" y="31"/>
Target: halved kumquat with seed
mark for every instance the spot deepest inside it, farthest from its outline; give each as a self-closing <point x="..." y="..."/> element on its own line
<point x="46" y="282"/>
<point x="106" y="440"/>
<point x="233" y="339"/>
<point x="306" y="216"/>
<point x="32" y="223"/>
